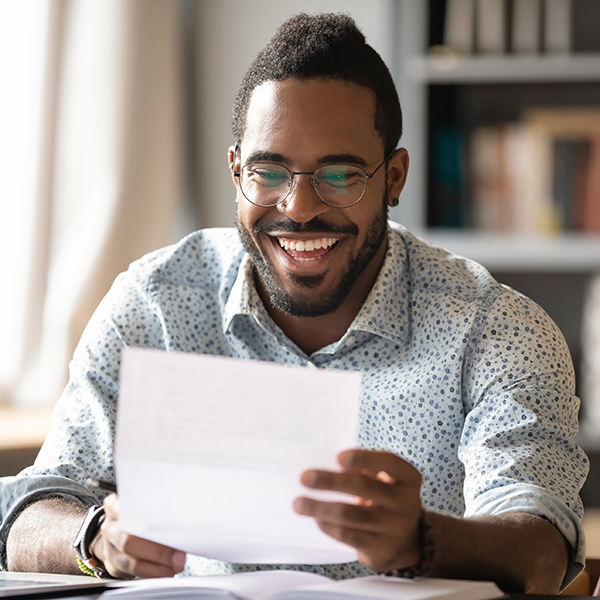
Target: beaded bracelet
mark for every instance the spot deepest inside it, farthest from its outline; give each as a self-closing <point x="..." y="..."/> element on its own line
<point x="84" y="568"/>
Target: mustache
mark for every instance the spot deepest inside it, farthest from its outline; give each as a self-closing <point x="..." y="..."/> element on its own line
<point x="316" y="225"/>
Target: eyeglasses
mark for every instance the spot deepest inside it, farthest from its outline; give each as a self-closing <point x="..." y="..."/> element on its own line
<point x="268" y="184"/>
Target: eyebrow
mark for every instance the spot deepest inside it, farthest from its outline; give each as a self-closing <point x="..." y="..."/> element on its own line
<point x="329" y="159"/>
<point x="265" y="156"/>
<point x="345" y="159"/>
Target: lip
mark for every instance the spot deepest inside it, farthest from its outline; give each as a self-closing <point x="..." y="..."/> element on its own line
<point x="306" y="262"/>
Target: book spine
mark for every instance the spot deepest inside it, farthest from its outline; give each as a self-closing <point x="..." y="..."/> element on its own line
<point x="490" y="19"/>
<point x="459" y="25"/>
<point x="557" y="26"/>
<point x="526" y="26"/>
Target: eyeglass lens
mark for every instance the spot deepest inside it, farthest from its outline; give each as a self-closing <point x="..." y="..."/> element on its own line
<point x="267" y="184"/>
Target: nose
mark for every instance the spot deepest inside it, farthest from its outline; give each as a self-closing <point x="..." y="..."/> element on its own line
<point x="302" y="203"/>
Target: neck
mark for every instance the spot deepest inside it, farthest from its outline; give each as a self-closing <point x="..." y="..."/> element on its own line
<point x="313" y="333"/>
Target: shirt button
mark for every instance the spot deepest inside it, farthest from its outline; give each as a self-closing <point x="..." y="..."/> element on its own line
<point x="350" y="340"/>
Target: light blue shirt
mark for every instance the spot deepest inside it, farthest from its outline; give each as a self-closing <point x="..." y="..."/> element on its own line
<point x="466" y="379"/>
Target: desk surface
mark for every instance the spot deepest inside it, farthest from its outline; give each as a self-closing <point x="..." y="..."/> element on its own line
<point x="96" y="594"/>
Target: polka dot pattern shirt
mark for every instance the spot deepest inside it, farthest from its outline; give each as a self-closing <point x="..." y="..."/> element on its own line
<point x="468" y="380"/>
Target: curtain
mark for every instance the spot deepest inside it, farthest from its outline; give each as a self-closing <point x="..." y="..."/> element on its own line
<point x="93" y="175"/>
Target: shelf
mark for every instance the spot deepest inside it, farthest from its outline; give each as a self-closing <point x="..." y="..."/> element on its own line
<point x="504" y="69"/>
<point x="516" y="253"/>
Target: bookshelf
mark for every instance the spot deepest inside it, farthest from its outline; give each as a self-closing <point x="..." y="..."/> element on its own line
<point x="474" y="89"/>
<point x="520" y="80"/>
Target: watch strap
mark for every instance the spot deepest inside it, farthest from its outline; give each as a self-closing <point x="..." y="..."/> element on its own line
<point x="90" y="526"/>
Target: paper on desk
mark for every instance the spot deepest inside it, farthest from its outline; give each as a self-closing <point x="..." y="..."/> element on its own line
<point x="209" y="451"/>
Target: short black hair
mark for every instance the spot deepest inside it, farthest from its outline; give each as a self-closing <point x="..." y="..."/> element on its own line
<point x="328" y="46"/>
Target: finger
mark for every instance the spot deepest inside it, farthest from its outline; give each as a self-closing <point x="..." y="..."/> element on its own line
<point x="375" y="461"/>
<point x="111" y="506"/>
<point x="123" y="565"/>
<point x="126" y="555"/>
<point x="358" y="517"/>
<point x="363" y="541"/>
<point x="142" y="549"/>
<point x="382" y="493"/>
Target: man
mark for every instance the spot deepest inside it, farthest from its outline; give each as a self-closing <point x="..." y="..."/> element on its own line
<point x="465" y="466"/>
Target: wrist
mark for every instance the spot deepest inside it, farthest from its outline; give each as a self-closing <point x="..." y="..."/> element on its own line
<point x="426" y="543"/>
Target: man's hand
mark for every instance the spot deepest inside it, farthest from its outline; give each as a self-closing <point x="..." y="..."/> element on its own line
<point x="383" y="524"/>
<point x="126" y="556"/>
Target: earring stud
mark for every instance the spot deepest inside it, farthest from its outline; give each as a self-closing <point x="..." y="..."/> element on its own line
<point x="395" y="202"/>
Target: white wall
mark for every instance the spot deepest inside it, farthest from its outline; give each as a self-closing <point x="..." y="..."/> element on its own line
<point x="231" y="33"/>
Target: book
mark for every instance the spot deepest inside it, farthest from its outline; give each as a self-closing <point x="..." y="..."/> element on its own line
<point x="591" y="197"/>
<point x="557" y="26"/>
<point x="569" y="170"/>
<point x="526" y="26"/>
<point x="490" y="26"/>
<point x="459" y="25"/>
<point x="447" y="203"/>
<point x="298" y="585"/>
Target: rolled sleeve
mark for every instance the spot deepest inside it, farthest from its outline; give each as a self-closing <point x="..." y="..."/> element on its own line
<point x="16" y="493"/>
<point x="535" y="500"/>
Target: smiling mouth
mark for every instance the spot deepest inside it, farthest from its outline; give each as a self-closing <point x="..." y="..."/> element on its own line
<point x="307" y="249"/>
<point x="307" y="245"/>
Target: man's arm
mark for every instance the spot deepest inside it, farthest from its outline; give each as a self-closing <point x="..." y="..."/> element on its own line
<point x="41" y="540"/>
<point x="521" y="552"/>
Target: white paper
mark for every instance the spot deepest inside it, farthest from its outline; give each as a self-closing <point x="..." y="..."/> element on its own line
<point x="209" y="452"/>
<point x="288" y="585"/>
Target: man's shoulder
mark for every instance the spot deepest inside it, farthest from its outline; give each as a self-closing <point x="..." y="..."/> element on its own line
<point x="434" y="269"/>
<point x="202" y="258"/>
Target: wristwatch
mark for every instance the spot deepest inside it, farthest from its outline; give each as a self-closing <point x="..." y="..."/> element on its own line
<point x="86" y="561"/>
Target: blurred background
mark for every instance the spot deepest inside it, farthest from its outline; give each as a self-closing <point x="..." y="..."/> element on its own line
<point x="114" y="130"/>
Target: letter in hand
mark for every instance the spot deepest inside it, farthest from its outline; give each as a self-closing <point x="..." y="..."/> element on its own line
<point x="126" y="556"/>
<point x="383" y="523"/>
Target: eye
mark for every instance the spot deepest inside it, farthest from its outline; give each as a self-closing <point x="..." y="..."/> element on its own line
<point x="339" y="175"/>
<point x="267" y="175"/>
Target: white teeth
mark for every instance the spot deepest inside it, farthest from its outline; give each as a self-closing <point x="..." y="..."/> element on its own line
<point x="307" y="245"/>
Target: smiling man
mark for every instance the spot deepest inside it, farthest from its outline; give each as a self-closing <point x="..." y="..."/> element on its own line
<point x="313" y="209"/>
<point x="464" y="465"/>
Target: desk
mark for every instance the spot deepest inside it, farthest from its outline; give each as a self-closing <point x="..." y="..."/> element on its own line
<point x="94" y="595"/>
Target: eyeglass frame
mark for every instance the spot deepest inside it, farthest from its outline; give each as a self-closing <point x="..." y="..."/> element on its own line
<point x="312" y="180"/>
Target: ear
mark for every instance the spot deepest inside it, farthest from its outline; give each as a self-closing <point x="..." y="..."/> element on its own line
<point x="397" y="172"/>
<point x="231" y="158"/>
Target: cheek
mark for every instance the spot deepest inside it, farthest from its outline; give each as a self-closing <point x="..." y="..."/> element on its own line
<point x="248" y="215"/>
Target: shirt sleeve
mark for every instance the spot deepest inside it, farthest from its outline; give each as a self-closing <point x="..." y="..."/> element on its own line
<point x="80" y="442"/>
<point x="517" y="444"/>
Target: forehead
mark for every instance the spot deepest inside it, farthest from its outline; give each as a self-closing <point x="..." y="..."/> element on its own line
<point x="303" y="118"/>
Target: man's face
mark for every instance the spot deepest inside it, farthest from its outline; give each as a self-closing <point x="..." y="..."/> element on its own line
<point x="305" y="125"/>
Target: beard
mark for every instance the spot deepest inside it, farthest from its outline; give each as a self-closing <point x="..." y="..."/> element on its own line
<point x="298" y="304"/>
